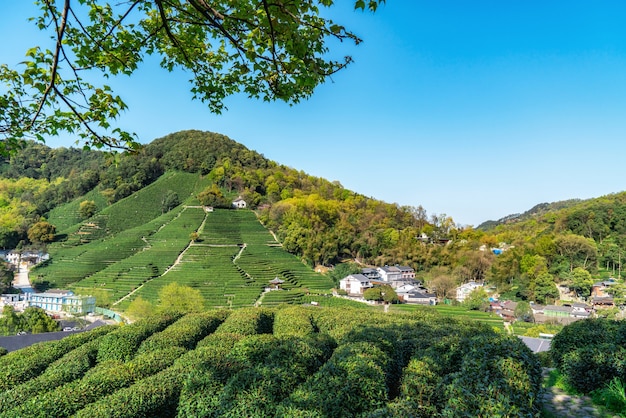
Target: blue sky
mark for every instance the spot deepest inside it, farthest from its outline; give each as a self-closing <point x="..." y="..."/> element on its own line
<point x="474" y="109"/>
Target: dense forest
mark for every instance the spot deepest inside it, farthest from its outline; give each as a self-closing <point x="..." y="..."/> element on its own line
<point x="572" y="243"/>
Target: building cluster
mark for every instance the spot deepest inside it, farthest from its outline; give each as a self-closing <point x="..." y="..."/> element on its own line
<point x="31" y="258"/>
<point x="400" y="278"/>
<point x="53" y="301"/>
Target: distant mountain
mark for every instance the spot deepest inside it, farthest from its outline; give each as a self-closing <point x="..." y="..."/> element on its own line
<point x="534" y="212"/>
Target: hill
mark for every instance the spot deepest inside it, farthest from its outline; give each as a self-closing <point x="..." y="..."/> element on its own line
<point x="293" y="361"/>
<point x="131" y="197"/>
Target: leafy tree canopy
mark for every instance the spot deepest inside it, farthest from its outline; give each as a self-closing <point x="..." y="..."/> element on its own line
<point x="41" y="232"/>
<point x="267" y="50"/>
<point x="180" y="298"/>
<point x="384" y="293"/>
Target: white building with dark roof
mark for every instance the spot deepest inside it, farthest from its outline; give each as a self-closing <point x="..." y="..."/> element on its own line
<point x="465" y="289"/>
<point x="355" y="284"/>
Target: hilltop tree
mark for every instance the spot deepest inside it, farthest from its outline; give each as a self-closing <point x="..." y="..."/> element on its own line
<point x="180" y="298"/>
<point x="87" y="209"/>
<point x="544" y="289"/>
<point x="266" y="50"/>
<point x="41" y="232"/>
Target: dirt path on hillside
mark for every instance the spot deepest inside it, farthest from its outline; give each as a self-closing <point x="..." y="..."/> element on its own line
<point x="557" y="403"/>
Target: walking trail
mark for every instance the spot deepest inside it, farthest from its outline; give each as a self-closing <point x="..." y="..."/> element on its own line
<point x="559" y="404"/>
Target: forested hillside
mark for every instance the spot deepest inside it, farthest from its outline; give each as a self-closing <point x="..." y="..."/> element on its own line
<point x="89" y="197"/>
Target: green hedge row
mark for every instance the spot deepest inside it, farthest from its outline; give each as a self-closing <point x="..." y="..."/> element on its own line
<point x="123" y="343"/>
<point x="294" y="320"/>
<point x="22" y="365"/>
<point x="68" y="368"/>
<point x="99" y="382"/>
<point x="185" y="332"/>
<point x="591" y="353"/>
<point x="248" y="321"/>
<point x="158" y="395"/>
<point x="302" y="362"/>
<point x="350" y="383"/>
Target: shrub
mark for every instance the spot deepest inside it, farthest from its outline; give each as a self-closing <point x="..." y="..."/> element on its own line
<point x="295" y="320"/>
<point x="498" y="376"/>
<point x="589" y="332"/>
<point x="122" y="344"/>
<point x="95" y="385"/>
<point x="22" y="365"/>
<point x="248" y="321"/>
<point x="350" y="383"/>
<point x="592" y="367"/>
<point x="185" y="332"/>
<point x="3" y="351"/>
<point x="68" y="368"/>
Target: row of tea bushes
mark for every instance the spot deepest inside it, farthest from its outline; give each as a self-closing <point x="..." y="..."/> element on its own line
<point x="102" y="380"/>
<point x="22" y="365"/>
<point x="301" y="361"/>
<point x="591" y="353"/>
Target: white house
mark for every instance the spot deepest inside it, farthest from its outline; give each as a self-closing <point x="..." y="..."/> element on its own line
<point x="465" y="289"/>
<point x="406" y="272"/>
<point x="420" y="297"/>
<point x="389" y="273"/>
<point x="355" y="284"/>
<point x="239" y="203"/>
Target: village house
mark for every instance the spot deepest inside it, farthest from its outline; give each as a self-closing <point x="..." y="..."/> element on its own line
<point x="239" y="203"/>
<point x="370" y="273"/>
<point x="465" y="289"/>
<point x="602" y="302"/>
<point x="355" y="284"/>
<point x="419" y="298"/>
<point x="599" y="289"/>
<point x="389" y="274"/>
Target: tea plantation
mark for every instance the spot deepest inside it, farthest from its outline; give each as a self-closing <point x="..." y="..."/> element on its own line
<point x="296" y="361"/>
<point x="132" y="249"/>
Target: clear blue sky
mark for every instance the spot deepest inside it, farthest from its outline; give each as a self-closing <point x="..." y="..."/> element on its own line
<point x="475" y="109"/>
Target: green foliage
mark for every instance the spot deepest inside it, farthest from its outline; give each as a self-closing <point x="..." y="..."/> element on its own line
<point x="478" y="299"/>
<point x="612" y="396"/>
<point x="296" y="320"/>
<point x="590" y="353"/>
<point x="384" y="293"/>
<point x="587" y="333"/>
<point x="589" y="368"/>
<point x="544" y="289"/>
<point x="6" y="278"/>
<point x="122" y="344"/>
<point x="68" y="368"/>
<point x="248" y="321"/>
<point x="41" y="232"/>
<point x="268" y="57"/>
<point x="102" y="380"/>
<point x="292" y="361"/>
<point x="87" y="209"/>
<point x="180" y="298"/>
<point x="581" y="282"/>
<point x="22" y="365"/>
<point x="186" y="332"/>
